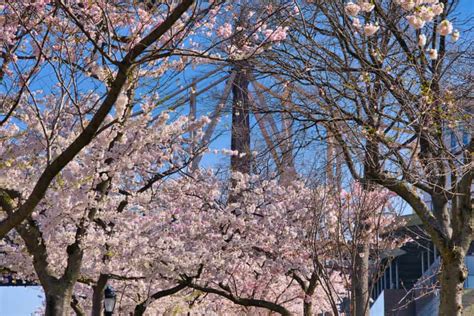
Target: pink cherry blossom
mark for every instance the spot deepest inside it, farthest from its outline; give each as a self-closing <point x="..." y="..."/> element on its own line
<point x="426" y="13"/>
<point x="407" y="4"/>
<point x="433" y="53"/>
<point x="438" y="8"/>
<point x="352" y="9"/>
<point x="225" y="30"/>
<point x="455" y="36"/>
<point x="445" y="28"/>
<point x="416" y="21"/>
<point x="370" y="29"/>
<point x="422" y="40"/>
<point x="366" y="6"/>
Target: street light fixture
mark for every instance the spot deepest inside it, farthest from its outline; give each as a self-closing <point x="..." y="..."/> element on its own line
<point x="109" y="300"/>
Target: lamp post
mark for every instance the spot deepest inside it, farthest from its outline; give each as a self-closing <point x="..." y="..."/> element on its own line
<point x="109" y="300"/>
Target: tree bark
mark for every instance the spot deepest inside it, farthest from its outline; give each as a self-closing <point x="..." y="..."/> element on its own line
<point x="307" y="309"/>
<point x="58" y="301"/>
<point x="98" y="295"/>
<point x="76" y="307"/>
<point x="242" y="301"/>
<point x="141" y="308"/>
<point x="453" y="275"/>
<point x="360" y="282"/>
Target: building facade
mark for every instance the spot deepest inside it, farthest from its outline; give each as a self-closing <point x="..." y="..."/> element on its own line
<point x="407" y="283"/>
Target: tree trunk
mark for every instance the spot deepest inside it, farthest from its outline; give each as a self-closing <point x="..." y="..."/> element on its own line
<point x="360" y="282"/>
<point x="58" y="302"/>
<point x="453" y="275"/>
<point x="307" y="309"/>
<point x="139" y="310"/>
<point x="98" y="295"/>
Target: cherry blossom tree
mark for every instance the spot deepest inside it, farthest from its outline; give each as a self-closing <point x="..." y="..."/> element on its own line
<point x="61" y="144"/>
<point x="87" y="138"/>
<point x="100" y="183"/>
<point x="276" y="247"/>
<point x="118" y="56"/>
<point x="385" y="80"/>
<point x="90" y="210"/>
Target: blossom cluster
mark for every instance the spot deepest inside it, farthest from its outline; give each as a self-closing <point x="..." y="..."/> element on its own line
<point x="253" y="244"/>
<point x="243" y="39"/>
<point x="362" y="6"/>
<point x="420" y="12"/>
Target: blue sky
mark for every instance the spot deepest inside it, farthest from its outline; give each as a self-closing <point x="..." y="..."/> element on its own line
<point x="23" y="301"/>
<point x="466" y="8"/>
<point x="20" y="300"/>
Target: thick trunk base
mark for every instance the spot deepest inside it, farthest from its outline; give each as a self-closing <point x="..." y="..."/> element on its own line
<point x="360" y="283"/>
<point x="58" y="304"/>
<point x="307" y="309"/>
<point x="452" y="279"/>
